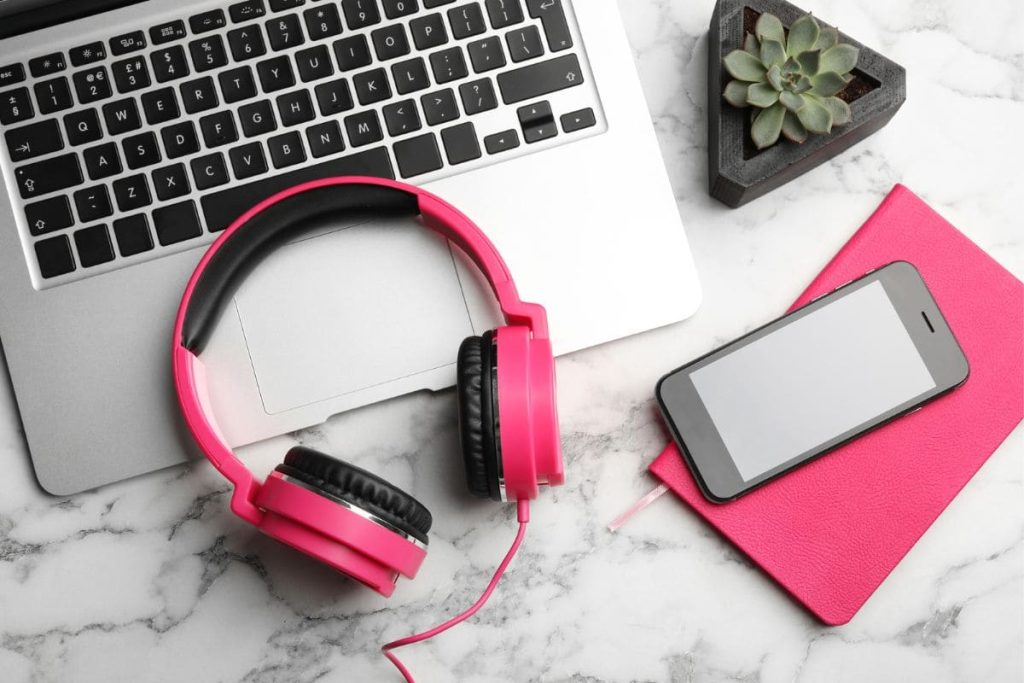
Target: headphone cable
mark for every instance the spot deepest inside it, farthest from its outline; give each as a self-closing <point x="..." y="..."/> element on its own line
<point x="523" y="510"/>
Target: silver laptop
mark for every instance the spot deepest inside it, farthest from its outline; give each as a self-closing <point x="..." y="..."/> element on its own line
<point x="133" y="132"/>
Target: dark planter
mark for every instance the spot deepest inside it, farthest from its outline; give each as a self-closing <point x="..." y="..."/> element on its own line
<point x="737" y="171"/>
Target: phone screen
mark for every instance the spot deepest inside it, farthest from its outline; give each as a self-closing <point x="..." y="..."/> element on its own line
<point x="807" y="382"/>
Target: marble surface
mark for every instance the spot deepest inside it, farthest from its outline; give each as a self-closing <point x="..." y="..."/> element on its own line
<point x="153" y="579"/>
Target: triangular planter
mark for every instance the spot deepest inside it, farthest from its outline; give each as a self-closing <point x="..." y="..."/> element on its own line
<point x="737" y="172"/>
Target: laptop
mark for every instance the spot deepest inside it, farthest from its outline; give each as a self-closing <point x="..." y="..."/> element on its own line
<point x="134" y="132"/>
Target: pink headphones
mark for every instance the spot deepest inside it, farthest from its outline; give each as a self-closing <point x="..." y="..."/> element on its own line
<point x="340" y="514"/>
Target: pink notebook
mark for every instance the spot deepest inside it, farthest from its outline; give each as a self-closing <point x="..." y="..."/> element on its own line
<point x="831" y="531"/>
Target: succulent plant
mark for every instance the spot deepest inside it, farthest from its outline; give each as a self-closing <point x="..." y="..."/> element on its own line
<point x="791" y="80"/>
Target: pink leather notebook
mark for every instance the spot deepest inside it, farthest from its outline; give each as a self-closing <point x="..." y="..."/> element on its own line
<point x="831" y="531"/>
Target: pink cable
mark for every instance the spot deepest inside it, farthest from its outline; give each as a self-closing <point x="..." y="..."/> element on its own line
<point x="523" y="508"/>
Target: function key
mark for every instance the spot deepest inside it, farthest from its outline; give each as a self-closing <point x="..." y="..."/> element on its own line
<point x="129" y="42"/>
<point x="282" y="5"/>
<point x="207" y="21"/>
<point x="11" y="74"/>
<point x="54" y="256"/>
<point x="250" y="9"/>
<point x="165" y="33"/>
<point x="87" y="54"/>
<point x="47" y="64"/>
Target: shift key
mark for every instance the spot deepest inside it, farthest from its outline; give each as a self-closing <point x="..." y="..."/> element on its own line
<point x="49" y="175"/>
<point x="540" y="78"/>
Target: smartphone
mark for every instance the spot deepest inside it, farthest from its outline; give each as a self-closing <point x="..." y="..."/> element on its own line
<point x="849" y="361"/>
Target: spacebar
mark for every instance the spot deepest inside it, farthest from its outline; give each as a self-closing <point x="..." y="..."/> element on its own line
<point x="223" y="208"/>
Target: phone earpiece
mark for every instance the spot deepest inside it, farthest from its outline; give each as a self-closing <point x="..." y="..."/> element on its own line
<point x="479" y="431"/>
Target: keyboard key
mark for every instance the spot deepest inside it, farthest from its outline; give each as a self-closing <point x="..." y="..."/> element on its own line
<point x="128" y="42"/>
<point x="165" y="33"/>
<point x="276" y="74"/>
<point x="282" y="5"/>
<point x="504" y="12"/>
<point x="11" y="74"/>
<point x="360" y="13"/>
<point x="130" y="75"/>
<point x="248" y="160"/>
<point x="180" y="139"/>
<point x="552" y="18"/>
<point x="410" y="76"/>
<point x="285" y="32"/>
<point x="257" y="118"/>
<point x="393" y="9"/>
<point x="418" y="155"/>
<point x="133" y="235"/>
<point x="352" y="52"/>
<point x="48" y="175"/>
<point x="177" y="223"/>
<point x="539" y="79"/>
<point x="141" y="150"/>
<point x="401" y="118"/>
<point x="207" y="21"/>
<point x="325" y="139"/>
<point x="199" y="95"/>
<point x="524" y="44"/>
<point x="221" y="208"/>
<point x="48" y="215"/>
<point x="53" y="95"/>
<point x="314" y="63"/>
<point x="237" y="84"/>
<point x="47" y="65"/>
<point x="431" y="4"/>
<point x="448" y="65"/>
<point x="209" y="171"/>
<point x="55" y="257"/>
<point x="286" y="150"/>
<point x="460" y="143"/>
<point x="102" y="161"/>
<point x="537" y="122"/>
<point x="428" y="32"/>
<point x="34" y="140"/>
<point x="334" y="97"/>
<point x="501" y="142"/>
<point x="208" y="53"/>
<point x="219" y="129"/>
<point x="92" y="85"/>
<point x="171" y="182"/>
<point x="372" y="86"/>
<point x="160" y="106"/>
<point x="578" y="120"/>
<point x="132" y="193"/>
<point x="363" y="128"/>
<point x="295" y="108"/>
<point x="170" y="64"/>
<point x="246" y="43"/>
<point x="244" y="11"/>
<point x="466" y="20"/>
<point x="121" y="116"/>
<point x="390" y="42"/>
<point x="83" y="126"/>
<point x="15" y="106"/>
<point x="93" y="246"/>
<point x="440" y="107"/>
<point x="478" y="96"/>
<point x="93" y="203"/>
<point x="87" y="54"/>
<point x="486" y="54"/>
<point x="322" y="21"/>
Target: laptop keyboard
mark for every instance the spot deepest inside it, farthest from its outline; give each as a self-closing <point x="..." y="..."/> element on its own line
<point x="151" y="141"/>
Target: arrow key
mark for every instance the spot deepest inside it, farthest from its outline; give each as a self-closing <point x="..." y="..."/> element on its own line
<point x="48" y="215"/>
<point x="32" y="141"/>
<point x="501" y="142"/>
<point x="578" y="120"/>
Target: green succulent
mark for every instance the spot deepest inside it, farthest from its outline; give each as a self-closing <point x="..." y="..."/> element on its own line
<point x="791" y="80"/>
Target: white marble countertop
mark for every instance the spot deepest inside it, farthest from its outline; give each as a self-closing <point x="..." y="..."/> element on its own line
<point x="154" y="580"/>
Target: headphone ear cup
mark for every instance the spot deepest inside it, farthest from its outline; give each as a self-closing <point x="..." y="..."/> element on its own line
<point x="359" y="488"/>
<point x="478" y="415"/>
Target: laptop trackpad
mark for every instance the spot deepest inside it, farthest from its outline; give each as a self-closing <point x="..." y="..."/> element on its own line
<point x="349" y="310"/>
